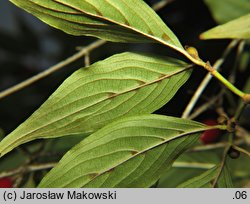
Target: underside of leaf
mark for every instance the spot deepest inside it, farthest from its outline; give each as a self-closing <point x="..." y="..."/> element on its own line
<point x="122" y="85"/>
<point x="112" y="20"/>
<point x="131" y="152"/>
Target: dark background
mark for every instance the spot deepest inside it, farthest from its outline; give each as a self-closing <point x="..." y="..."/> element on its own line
<point x="28" y="46"/>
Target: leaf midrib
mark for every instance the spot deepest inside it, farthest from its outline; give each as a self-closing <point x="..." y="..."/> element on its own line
<point x="128" y="27"/>
<point x="117" y="94"/>
<point x="64" y="12"/>
<point x="110" y="97"/>
<point x="122" y="68"/>
<point x="139" y="126"/>
<point x="148" y="149"/>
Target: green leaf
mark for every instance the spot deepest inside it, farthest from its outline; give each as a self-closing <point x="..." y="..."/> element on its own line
<point x="189" y="164"/>
<point x="244" y="61"/>
<point x="130" y="152"/>
<point x="225" y="179"/>
<point x="240" y="169"/>
<point x="30" y="183"/>
<point x="122" y="85"/>
<point x="197" y="165"/>
<point x="62" y="145"/>
<point x="112" y="20"/>
<point x="227" y="10"/>
<point x="235" y="29"/>
<point x="175" y="176"/>
<point x="203" y="180"/>
<point x="202" y="156"/>
<point x="12" y="161"/>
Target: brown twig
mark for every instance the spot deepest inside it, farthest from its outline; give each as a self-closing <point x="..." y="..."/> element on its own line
<point x="243" y="133"/>
<point x="240" y="50"/>
<point x="52" y="69"/>
<point x="27" y="169"/>
<point x="87" y="59"/>
<point x="158" y="6"/>
<point x="205" y="106"/>
<point x="83" y="52"/>
<point x="223" y="162"/>
<point x="244" y="151"/>
<point x="214" y="146"/>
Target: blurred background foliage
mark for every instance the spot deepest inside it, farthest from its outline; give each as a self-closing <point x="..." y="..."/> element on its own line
<point x="28" y="46"/>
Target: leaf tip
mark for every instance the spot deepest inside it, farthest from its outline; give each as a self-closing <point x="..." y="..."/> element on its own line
<point x="201" y="36"/>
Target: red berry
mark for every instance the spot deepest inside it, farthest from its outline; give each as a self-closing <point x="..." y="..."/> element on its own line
<point x="6" y="182"/>
<point x="210" y="136"/>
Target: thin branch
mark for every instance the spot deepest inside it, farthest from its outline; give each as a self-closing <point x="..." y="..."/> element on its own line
<point x="241" y="150"/>
<point x="87" y="59"/>
<point x="197" y="165"/>
<point x="239" y="111"/>
<point x="223" y="162"/>
<point x="158" y="6"/>
<point x="83" y="51"/>
<point x="205" y="106"/>
<point x="27" y="169"/>
<point x="240" y="49"/>
<point x="243" y="133"/>
<point x="52" y="69"/>
<point x="214" y="146"/>
<point x="207" y="79"/>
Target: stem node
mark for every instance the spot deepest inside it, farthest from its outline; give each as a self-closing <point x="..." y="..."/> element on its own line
<point x="246" y="98"/>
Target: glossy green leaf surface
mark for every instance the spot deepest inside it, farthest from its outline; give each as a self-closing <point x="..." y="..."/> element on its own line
<point x="227" y="10"/>
<point x="124" y="84"/>
<point x="235" y="29"/>
<point x="112" y="20"/>
<point x="130" y="152"/>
